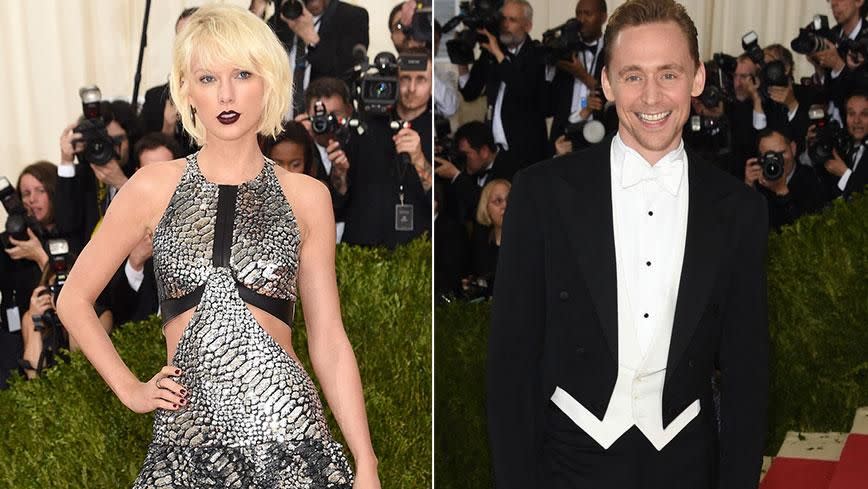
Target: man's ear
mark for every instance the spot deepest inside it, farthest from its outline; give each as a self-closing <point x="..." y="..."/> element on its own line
<point x="698" y="81"/>
<point x="607" y="87"/>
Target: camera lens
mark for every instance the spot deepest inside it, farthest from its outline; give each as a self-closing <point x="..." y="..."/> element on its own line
<point x="292" y="9"/>
<point x="773" y="165"/>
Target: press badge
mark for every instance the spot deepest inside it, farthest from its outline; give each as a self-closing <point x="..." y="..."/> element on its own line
<point x="403" y="217"/>
<point x="13" y="319"/>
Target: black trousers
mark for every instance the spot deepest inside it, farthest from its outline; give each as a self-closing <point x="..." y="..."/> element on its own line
<point x="573" y="460"/>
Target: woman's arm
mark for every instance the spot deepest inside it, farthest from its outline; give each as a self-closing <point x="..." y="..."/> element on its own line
<point x="125" y="223"/>
<point x="330" y="350"/>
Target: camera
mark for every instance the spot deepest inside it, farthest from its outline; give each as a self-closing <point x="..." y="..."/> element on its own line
<point x="831" y="137"/>
<point x="559" y="43"/>
<point x="859" y="46"/>
<point x="706" y="126"/>
<point x="719" y="81"/>
<point x="771" y="74"/>
<point x="420" y="28"/>
<point x="375" y="86"/>
<point x="292" y="9"/>
<point x="18" y="220"/>
<point x="772" y="163"/>
<point x="340" y="128"/>
<point x="99" y="146"/>
<point x="812" y="38"/>
<point x="478" y="14"/>
<point x="48" y="324"/>
<point x="585" y="133"/>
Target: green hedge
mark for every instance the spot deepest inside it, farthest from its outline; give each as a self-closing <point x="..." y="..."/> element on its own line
<point x="67" y="430"/>
<point x="818" y="310"/>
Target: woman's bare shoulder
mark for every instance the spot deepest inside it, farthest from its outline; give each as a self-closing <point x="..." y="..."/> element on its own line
<point x="152" y="186"/>
<point x="308" y="197"/>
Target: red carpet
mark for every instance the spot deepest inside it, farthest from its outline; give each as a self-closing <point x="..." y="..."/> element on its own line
<point x="799" y="473"/>
<point x="852" y="469"/>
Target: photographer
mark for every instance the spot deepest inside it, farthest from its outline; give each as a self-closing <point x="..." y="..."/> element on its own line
<point x="400" y="39"/>
<point x="482" y="162"/>
<point x="791" y="190"/>
<point x="389" y="183"/>
<point x="22" y="260"/>
<point x="133" y="289"/>
<point x="786" y="107"/>
<point x="320" y="39"/>
<point x="845" y="173"/>
<point x="831" y="67"/>
<point x="744" y="111"/>
<point x="334" y="147"/>
<point x="575" y="92"/>
<point x="40" y="324"/>
<point x="85" y="189"/>
<point x="158" y="114"/>
<point x="486" y="238"/>
<point x="511" y="72"/>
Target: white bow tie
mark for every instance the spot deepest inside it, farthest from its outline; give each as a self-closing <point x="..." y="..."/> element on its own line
<point x="667" y="172"/>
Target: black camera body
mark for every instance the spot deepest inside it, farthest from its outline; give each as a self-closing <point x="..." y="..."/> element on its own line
<point x="17" y="220"/>
<point x="771" y="74"/>
<point x="559" y="43"/>
<point x="420" y="28"/>
<point x="375" y="86"/>
<point x="719" y="81"/>
<point x="772" y="163"/>
<point x="812" y="38"/>
<point x="339" y="128"/>
<point x="831" y="138"/>
<point x="707" y="126"/>
<point x="99" y="146"/>
<point x="478" y="14"/>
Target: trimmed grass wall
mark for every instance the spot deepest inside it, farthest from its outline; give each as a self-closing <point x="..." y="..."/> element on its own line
<point x="818" y="321"/>
<point x="67" y="430"/>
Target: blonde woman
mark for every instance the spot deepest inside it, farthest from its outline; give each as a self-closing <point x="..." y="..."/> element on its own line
<point x="236" y="240"/>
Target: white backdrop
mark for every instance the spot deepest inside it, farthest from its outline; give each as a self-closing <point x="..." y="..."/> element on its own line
<point x="48" y="49"/>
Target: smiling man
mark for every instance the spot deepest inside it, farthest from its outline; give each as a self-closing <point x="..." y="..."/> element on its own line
<point x="629" y="275"/>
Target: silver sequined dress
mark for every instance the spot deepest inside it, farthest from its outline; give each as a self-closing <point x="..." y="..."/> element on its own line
<point x="253" y="417"/>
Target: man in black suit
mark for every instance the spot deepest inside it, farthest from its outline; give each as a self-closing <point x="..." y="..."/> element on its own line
<point x="320" y="42"/>
<point x="389" y="182"/>
<point x="831" y="68"/>
<point x="483" y="162"/>
<point x="846" y="173"/>
<point x="629" y="272"/>
<point x="511" y="72"/>
<point x="795" y="192"/>
<point x="575" y="91"/>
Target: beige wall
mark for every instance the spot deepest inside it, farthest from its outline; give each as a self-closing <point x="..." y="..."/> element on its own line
<point x="48" y="49"/>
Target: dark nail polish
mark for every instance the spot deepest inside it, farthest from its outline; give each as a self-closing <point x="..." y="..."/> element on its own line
<point x="175" y="406"/>
<point x="183" y="391"/>
<point x="183" y="401"/>
<point x="177" y="372"/>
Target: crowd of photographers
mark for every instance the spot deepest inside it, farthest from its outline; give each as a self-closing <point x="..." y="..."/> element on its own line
<point x="798" y="142"/>
<point x="362" y="127"/>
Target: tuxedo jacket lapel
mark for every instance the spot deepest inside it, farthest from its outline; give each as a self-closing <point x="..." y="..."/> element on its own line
<point x="702" y="252"/>
<point x="586" y="202"/>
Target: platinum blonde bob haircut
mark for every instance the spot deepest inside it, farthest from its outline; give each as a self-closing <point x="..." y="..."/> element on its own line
<point x="227" y="34"/>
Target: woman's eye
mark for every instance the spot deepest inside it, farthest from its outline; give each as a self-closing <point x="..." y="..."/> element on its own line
<point x="206" y="79"/>
<point x="244" y="75"/>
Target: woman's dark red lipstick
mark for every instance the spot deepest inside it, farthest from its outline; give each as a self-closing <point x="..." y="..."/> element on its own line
<point x="228" y="117"/>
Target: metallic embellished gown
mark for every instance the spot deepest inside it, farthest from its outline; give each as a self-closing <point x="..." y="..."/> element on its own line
<point x="253" y="417"/>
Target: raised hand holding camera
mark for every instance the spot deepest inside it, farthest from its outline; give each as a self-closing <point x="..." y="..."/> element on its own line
<point x="30" y="249"/>
<point x="302" y="24"/>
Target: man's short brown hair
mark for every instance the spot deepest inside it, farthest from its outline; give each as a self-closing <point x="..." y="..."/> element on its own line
<point x="639" y="12"/>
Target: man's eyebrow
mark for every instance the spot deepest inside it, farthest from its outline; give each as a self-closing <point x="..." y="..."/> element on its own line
<point x="668" y="66"/>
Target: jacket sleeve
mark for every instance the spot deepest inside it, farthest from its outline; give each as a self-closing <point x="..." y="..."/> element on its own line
<point x="478" y="75"/>
<point x="514" y="403"/>
<point x="744" y="356"/>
